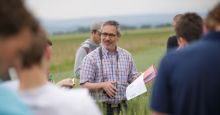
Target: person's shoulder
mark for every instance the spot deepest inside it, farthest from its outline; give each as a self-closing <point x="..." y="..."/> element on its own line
<point x="181" y="54"/>
<point x="11" y="85"/>
<point x="75" y="101"/>
<point x="67" y="93"/>
<point x="172" y="37"/>
<point x="86" y="45"/>
<point x="124" y="51"/>
<point x="93" y="54"/>
<point x="12" y="105"/>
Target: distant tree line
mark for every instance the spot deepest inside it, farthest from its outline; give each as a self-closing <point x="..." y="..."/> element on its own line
<point x="123" y="27"/>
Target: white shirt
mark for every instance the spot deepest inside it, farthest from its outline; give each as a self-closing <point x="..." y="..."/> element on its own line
<point x="11" y="85"/>
<point x="52" y="100"/>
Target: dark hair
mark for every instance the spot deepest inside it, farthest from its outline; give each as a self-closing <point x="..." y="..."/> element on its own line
<point x="35" y="53"/>
<point x="190" y="27"/>
<point x="213" y="18"/>
<point x="177" y="17"/>
<point x="14" y="17"/>
<point x="112" y="23"/>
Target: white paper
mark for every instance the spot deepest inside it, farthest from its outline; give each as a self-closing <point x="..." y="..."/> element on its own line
<point x="136" y="88"/>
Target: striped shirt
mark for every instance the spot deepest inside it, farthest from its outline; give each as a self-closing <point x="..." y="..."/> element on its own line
<point x="117" y="67"/>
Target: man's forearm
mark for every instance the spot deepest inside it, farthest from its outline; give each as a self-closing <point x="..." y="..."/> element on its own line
<point x="92" y="86"/>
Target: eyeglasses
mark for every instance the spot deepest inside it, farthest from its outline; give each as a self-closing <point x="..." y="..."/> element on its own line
<point x="110" y="35"/>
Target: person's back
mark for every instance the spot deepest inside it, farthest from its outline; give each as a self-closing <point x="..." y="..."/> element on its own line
<point x="194" y="83"/>
<point x="51" y="100"/>
<point x="188" y="80"/>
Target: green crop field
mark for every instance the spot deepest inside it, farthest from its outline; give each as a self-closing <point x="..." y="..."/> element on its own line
<point x="146" y="45"/>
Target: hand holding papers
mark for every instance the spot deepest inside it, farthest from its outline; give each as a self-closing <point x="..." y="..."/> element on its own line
<point x="137" y="87"/>
<point x="150" y="74"/>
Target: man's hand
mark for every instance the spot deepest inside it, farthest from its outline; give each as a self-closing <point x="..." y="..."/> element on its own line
<point x="109" y="88"/>
<point x="67" y="83"/>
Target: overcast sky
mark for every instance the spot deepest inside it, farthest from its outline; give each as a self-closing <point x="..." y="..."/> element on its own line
<point x="72" y="9"/>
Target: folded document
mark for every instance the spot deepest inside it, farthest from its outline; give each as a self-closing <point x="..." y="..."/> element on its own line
<point x="137" y="87"/>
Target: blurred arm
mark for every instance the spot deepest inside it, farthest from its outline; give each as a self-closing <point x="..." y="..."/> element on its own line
<point x="80" y="54"/>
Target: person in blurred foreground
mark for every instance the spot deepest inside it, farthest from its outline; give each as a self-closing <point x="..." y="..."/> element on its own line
<point x="16" y="28"/>
<point x="191" y="86"/>
<point x="43" y="97"/>
<point x="188" y="29"/>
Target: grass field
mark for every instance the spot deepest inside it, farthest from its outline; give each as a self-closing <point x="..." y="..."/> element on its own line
<point x="147" y="47"/>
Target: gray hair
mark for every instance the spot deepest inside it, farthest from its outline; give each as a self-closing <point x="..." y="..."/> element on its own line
<point x="112" y="23"/>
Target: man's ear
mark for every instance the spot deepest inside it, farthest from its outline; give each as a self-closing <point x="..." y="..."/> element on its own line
<point x="182" y="42"/>
<point x="48" y="53"/>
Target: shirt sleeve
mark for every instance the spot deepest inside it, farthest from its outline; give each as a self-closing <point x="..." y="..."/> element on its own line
<point x="133" y="74"/>
<point x="87" y="72"/>
<point x="161" y="95"/>
<point x="80" y="54"/>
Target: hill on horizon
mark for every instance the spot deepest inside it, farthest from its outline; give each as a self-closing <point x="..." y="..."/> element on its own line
<point x="71" y="25"/>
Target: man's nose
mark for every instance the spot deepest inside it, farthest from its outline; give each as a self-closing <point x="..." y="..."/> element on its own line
<point x="107" y="37"/>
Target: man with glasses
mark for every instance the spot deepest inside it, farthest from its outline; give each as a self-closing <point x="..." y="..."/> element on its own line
<point x="87" y="46"/>
<point x="108" y="70"/>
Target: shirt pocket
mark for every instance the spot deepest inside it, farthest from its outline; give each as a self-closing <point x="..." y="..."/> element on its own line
<point x="124" y="70"/>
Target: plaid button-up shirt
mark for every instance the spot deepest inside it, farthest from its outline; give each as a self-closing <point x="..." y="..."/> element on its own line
<point x="121" y="70"/>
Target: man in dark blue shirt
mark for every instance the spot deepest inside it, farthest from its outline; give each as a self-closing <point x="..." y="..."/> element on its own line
<point x="188" y="81"/>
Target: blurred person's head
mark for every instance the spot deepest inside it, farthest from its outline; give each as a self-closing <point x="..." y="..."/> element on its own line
<point x="176" y="19"/>
<point x="34" y="63"/>
<point x="16" y="28"/>
<point x="213" y="19"/>
<point x="95" y="32"/>
<point x="38" y="56"/>
<point x="110" y="34"/>
<point x="189" y="28"/>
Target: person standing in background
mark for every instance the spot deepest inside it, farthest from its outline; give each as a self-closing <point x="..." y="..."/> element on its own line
<point x="87" y="46"/>
<point x="172" y="42"/>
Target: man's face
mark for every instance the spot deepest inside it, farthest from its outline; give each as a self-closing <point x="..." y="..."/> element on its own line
<point x="97" y="36"/>
<point x="12" y="47"/>
<point x="109" y="37"/>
